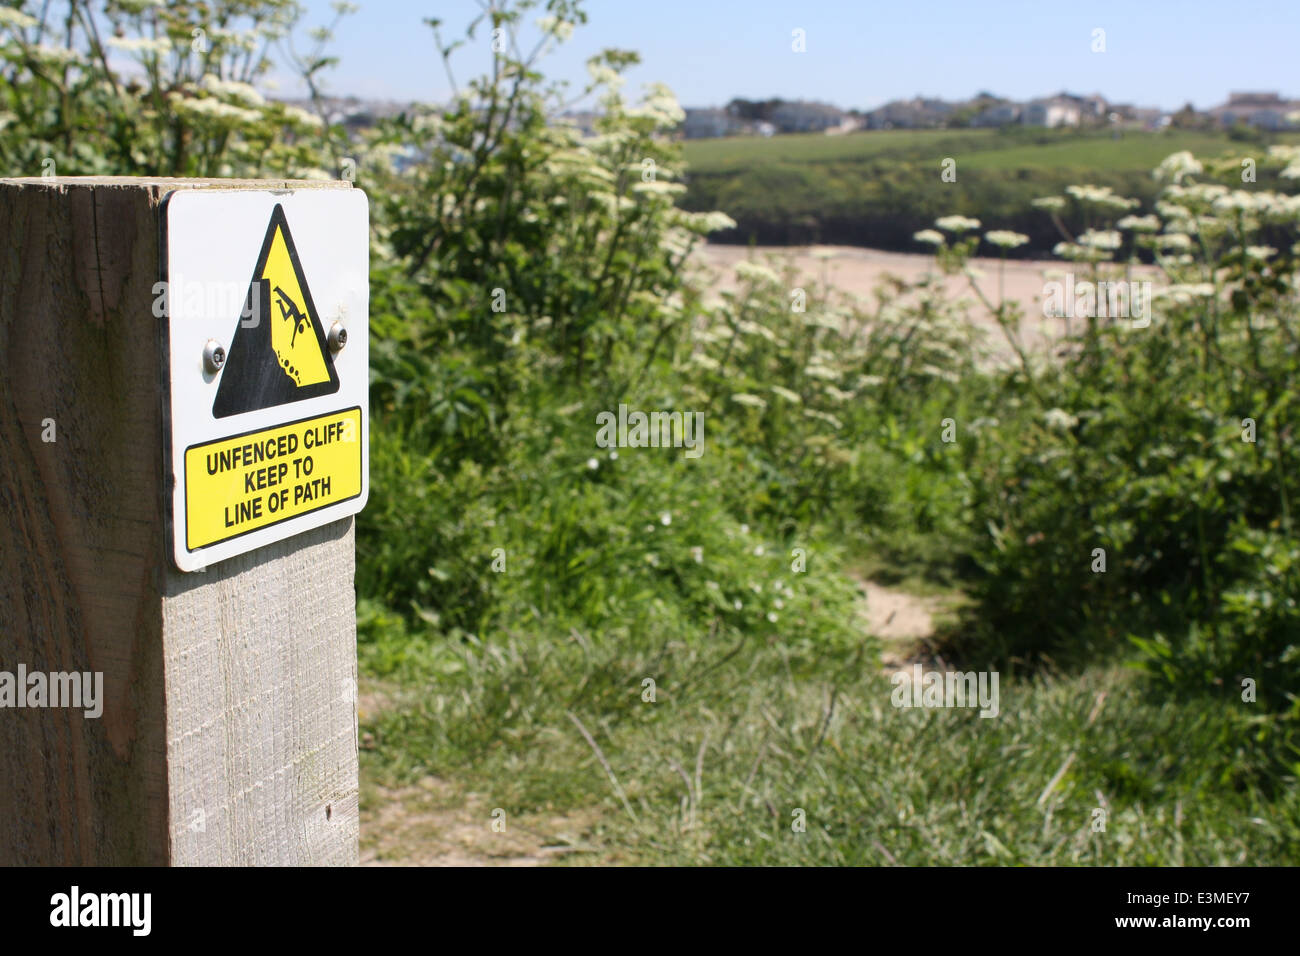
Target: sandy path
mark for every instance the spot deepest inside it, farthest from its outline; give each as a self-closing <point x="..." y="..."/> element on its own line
<point x="857" y="271"/>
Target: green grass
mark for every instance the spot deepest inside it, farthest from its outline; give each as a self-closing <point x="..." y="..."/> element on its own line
<point x="745" y="733"/>
<point x="712" y="155"/>
<point x="982" y="148"/>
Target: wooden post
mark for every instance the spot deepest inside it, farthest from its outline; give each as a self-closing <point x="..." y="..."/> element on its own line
<point x="228" y="727"/>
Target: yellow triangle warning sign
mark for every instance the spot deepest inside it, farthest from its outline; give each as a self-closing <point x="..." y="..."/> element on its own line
<point x="279" y="352"/>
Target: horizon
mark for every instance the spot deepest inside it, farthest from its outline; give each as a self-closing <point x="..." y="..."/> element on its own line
<point x="1013" y="48"/>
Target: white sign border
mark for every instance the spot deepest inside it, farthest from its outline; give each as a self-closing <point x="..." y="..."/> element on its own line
<point x="210" y="243"/>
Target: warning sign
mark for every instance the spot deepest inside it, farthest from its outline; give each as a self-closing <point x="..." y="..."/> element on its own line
<point x="266" y="299"/>
<point x="279" y="353"/>
<point x="239" y="484"/>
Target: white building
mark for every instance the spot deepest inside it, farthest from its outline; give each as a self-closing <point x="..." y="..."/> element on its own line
<point x="1053" y="112"/>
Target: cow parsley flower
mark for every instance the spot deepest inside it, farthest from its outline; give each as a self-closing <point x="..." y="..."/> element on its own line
<point x="1006" y="239"/>
<point x="957" y="224"/>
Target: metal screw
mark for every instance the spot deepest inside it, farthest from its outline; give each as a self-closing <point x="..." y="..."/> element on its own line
<point x="338" y="337"/>
<point x="214" y="356"/>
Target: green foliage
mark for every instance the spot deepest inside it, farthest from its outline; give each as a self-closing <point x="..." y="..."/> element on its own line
<point x="141" y="89"/>
<point x="519" y="583"/>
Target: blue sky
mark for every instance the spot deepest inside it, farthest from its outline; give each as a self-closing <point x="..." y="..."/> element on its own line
<point x="861" y="53"/>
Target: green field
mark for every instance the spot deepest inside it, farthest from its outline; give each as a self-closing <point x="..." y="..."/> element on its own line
<point x="983" y="148"/>
<point x="877" y="189"/>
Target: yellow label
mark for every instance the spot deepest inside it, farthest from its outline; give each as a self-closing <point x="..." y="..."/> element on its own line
<point x="292" y="337"/>
<point x="239" y="484"/>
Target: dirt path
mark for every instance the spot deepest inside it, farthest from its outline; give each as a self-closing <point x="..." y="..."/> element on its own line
<point x="434" y="824"/>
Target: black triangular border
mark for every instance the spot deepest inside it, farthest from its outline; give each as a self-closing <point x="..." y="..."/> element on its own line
<point x="245" y="385"/>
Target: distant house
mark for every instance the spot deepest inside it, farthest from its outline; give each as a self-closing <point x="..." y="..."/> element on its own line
<point x="1051" y="112"/>
<point x="806" y="117"/>
<point x="916" y="113"/>
<point x="1261" y="110"/>
<point x="707" y="123"/>
<point x="1094" y="106"/>
<point x="1000" y="114"/>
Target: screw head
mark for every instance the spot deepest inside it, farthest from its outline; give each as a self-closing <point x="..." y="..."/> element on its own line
<point x="338" y="337"/>
<point x="214" y="356"/>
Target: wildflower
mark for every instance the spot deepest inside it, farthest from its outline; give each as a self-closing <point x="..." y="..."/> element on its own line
<point x="785" y="393"/>
<point x="931" y="236"/>
<point x="836" y="394"/>
<point x="1139" y="223"/>
<point x="956" y="224"/>
<point x="1178" y="165"/>
<point x="1005" y="238"/>
<point x="16" y="19"/>
<point x="560" y="29"/>
<point x="822" y="372"/>
<point x="1051" y="203"/>
<point x="752" y="401"/>
<point x="603" y="75"/>
<point x="657" y="188"/>
<point x="232" y="90"/>
<point x="593" y="464"/>
<point x="665" y="519"/>
<point x="756" y="273"/>
<point x="1102" y="196"/>
<point x="1059" y="419"/>
<point x="140" y="44"/>
<point x="1100" y="239"/>
<point x="825" y="417"/>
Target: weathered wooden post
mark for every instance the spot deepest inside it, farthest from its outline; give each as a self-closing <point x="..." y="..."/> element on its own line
<point x="183" y="435"/>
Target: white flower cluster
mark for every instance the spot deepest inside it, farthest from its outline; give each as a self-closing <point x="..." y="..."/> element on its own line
<point x="754" y="272"/>
<point x="157" y="46"/>
<point x="1175" y="167"/>
<point x="1005" y="238"/>
<point x="1140" y="223"/>
<point x="1107" y="240"/>
<point x="1102" y="196"/>
<point x="230" y="89"/>
<point x="957" y="224"/>
<point x="16" y="19"/>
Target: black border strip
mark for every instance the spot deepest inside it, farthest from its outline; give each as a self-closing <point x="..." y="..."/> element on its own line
<point x="185" y="485"/>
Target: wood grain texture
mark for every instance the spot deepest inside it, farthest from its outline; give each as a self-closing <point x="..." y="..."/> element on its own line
<point x="231" y="690"/>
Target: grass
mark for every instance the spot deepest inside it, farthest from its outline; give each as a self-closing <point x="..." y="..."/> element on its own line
<point x="714" y="155"/>
<point x="982" y="148"/>
<point x="743" y="735"/>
